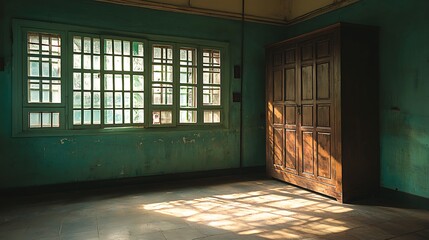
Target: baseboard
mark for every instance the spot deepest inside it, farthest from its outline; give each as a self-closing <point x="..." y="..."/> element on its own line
<point x="135" y="181"/>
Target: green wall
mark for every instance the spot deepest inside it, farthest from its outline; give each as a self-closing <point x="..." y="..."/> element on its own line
<point x="404" y="94"/>
<point x="51" y="160"/>
<point x="404" y="85"/>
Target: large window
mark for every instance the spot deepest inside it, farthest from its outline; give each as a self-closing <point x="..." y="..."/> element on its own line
<point x="112" y="95"/>
<point x="75" y="80"/>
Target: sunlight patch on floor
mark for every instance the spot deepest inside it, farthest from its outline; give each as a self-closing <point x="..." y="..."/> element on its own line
<point x="271" y="214"/>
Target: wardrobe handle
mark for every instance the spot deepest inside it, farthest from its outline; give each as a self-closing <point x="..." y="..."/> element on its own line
<point x="298" y="108"/>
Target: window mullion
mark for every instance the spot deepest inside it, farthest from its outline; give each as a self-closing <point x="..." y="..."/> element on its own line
<point x="176" y="84"/>
<point x="102" y="87"/>
<point x="200" y="107"/>
<point x="148" y="83"/>
<point x="69" y="98"/>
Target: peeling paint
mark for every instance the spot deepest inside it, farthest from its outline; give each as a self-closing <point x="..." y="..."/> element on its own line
<point x="186" y="140"/>
<point x="63" y="140"/>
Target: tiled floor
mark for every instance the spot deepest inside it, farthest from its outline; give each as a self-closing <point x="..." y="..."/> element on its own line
<point x="229" y="209"/>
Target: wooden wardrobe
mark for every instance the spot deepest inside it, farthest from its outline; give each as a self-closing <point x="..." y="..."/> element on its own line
<point x="323" y="111"/>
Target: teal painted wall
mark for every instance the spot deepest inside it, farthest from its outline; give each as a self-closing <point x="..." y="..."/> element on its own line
<point x="51" y="160"/>
<point x="404" y="85"/>
<point x="404" y="94"/>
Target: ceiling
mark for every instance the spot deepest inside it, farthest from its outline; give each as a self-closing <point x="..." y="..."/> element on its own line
<point x="267" y="11"/>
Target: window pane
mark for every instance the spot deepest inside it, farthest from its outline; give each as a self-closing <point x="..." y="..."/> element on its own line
<point x="108" y="82"/>
<point x="33" y="43"/>
<point x="33" y="66"/>
<point x="87" y="117"/>
<point x="138" y="64"/>
<point x="166" y="117"/>
<point x="35" y="120"/>
<point x="127" y="64"/>
<point x="77" y="81"/>
<point x="96" y="100"/>
<point x="96" y="46"/>
<point x="55" y="120"/>
<point x="46" y="120"/>
<point x="77" y="117"/>
<point x="188" y="97"/>
<point x="108" y="100"/>
<point x="138" y="116"/>
<point x="118" y="82"/>
<point x="126" y="47"/>
<point x="138" y="83"/>
<point x="127" y="116"/>
<point x="118" y="117"/>
<point x="138" y="100"/>
<point x="108" y="116"/>
<point x="96" y="117"/>
<point x="56" y="93"/>
<point x="188" y="116"/>
<point x="127" y="84"/>
<point x="46" y="96"/>
<point x="45" y="67"/>
<point x="211" y="75"/>
<point x="87" y="100"/>
<point x="127" y="100"/>
<point x="138" y="49"/>
<point x="118" y="63"/>
<point x="211" y="96"/>
<point x="45" y="44"/>
<point x="108" y="46"/>
<point x="96" y="81"/>
<point x="34" y="91"/>
<point x="162" y="73"/>
<point x="77" y="99"/>
<point x="77" y="61"/>
<point x="211" y="58"/>
<point x="118" y="99"/>
<point x="108" y="63"/>
<point x="212" y="116"/>
<point x="77" y="44"/>
<point x="87" y="45"/>
<point x="162" y="117"/>
<point x="96" y="62"/>
<point x="188" y="75"/>
<point x="56" y="68"/>
<point x="117" y="47"/>
<point x="87" y="81"/>
<point x="87" y="61"/>
<point x="162" y="94"/>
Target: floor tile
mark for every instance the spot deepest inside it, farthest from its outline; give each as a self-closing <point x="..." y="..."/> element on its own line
<point x="183" y="234"/>
<point x="232" y="210"/>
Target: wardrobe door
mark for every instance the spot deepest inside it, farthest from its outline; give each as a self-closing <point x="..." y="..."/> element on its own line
<point x="276" y="106"/>
<point x="291" y="109"/>
<point x="316" y="110"/>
